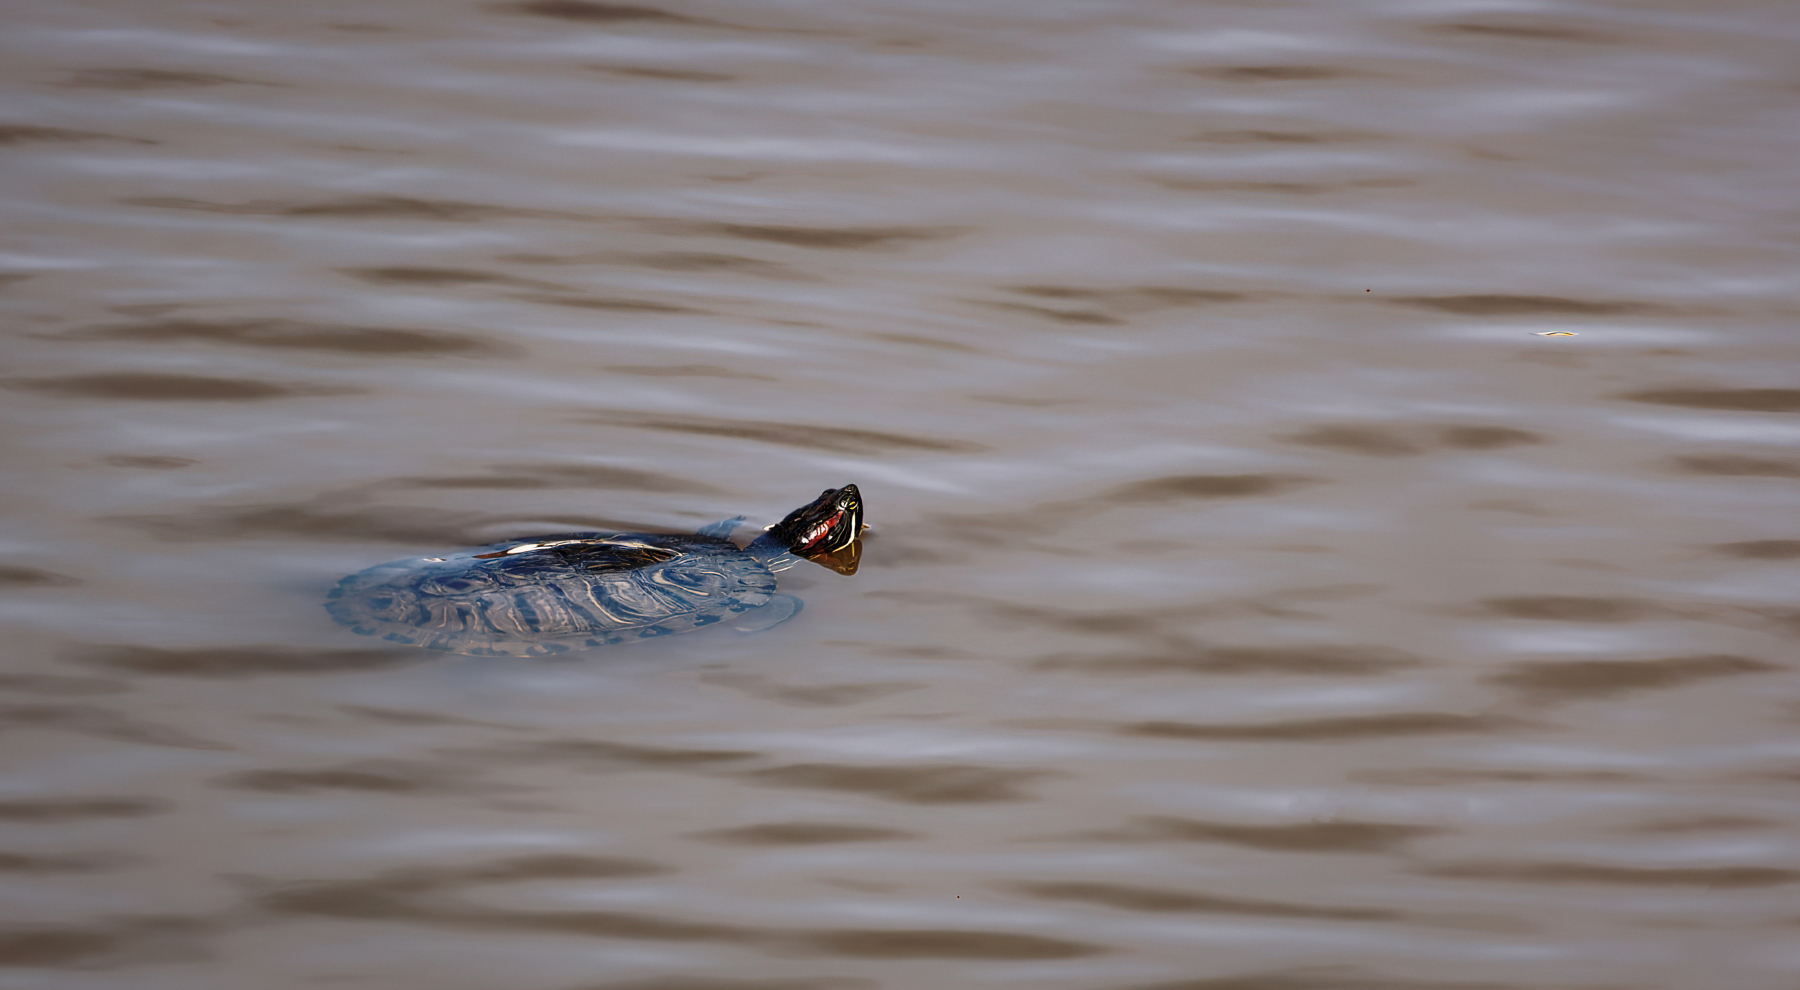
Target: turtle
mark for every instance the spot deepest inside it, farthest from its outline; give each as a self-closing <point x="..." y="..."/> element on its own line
<point x="539" y="595"/>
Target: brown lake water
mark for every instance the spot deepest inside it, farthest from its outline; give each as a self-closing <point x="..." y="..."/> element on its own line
<point x="1256" y="597"/>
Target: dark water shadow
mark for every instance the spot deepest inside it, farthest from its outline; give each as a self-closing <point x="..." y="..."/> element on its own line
<point x="672" y="75"/>
<point x="1160" y="642"/>
<point x="734" y="983"/>
<point x="1703" y="823"/>
<point x="539" y="866"/>
<point x="431" y="896"/>
<point x="144" y="386"/>
<point x="392" y="777"/>
<point x="865" y="943"/>
<point x="255" y="660"/>
<point x="1344" y="729"/>
<point x="79" y="809"/>
<point x="819" y="695"/>
<point x="913" y="340"/>
<point x="1080" y="317"/>
<point x="1272" y="73"/>
<point x="144" y="79"/>
<point x="403" y="716"/>
<point x="59" y="685"/>
<point x="1307" y="837"/>
<point x="1179" y="488"/>
<point x="837" y="440"/>
<point x="1111" y="306"/>
<point x="1550" y="682"/>
<point x="1486" y="437"/>
<point x="1367" y="440"/>
<point x="1570" y="608"/>
<point x="598" y="756"/>
<point x="615" y="304"/>
<point x="328" y="518"/>
<point x="298" y="335"/>
<point x="1403" y="441"/>
<point x="921" y="784"/>
<point x="1505" y="305"/>
<point x="434" y="896"/>
<point x="1139" y="296"/>
<point x="1282" y="188"/>
<point x="671" y="261"/>
<point x="1738" y="465"/>
<point x="1253" y="136"/>
<point x="362" y="208"/>
<point x="155" y="462"/>
<point x="599" y="14"/>
<point x="1022" y="523"/>
<point x="535" y="476"/>
<point x="1736" y="399"/>
<point x="440" y="278"/>
<point x="109" y="943"/>
<point x="20" y="576"/>
<point x="1453" y="776"/>
<point x="1525" y="30"/>
<point x="1193" y="658"/>
<point x="819" y="238"/>
<point x="97" y="862"/>
<point x="101" y="722"/>
<point x="1726" y="877"/>
<point x="1157" y="900"/>
<point x="1323" y="978"/>
<point x="589" y="12"/>
<point x="1761" y="549"/>
<point x="685" y="371"/>
<point x="30" y="133"/>
<point x="802" y="834"/>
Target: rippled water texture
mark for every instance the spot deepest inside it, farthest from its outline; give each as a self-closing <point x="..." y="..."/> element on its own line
<point x="1255" y="598"/>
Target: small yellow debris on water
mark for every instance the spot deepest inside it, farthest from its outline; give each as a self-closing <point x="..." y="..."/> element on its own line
<point x="1552" y="333"/>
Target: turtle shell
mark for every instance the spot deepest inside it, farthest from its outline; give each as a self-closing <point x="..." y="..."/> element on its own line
<point x="553" y="594"/>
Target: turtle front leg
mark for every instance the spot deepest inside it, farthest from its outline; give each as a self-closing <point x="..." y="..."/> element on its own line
<point x="721" y="529"/>
<point x="779" y="609"/>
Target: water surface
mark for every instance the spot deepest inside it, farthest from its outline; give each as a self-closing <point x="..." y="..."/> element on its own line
<point x="1256" y="599"/>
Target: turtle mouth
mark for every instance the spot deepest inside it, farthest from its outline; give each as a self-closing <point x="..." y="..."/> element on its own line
<point x="827" y="524"/>
<point x="813" y="537"/>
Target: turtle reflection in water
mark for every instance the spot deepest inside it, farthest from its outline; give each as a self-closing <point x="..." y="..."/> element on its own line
<point x="573" y="591"/>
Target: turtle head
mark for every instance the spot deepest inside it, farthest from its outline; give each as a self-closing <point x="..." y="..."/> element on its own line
<point x="827" y="524"/>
